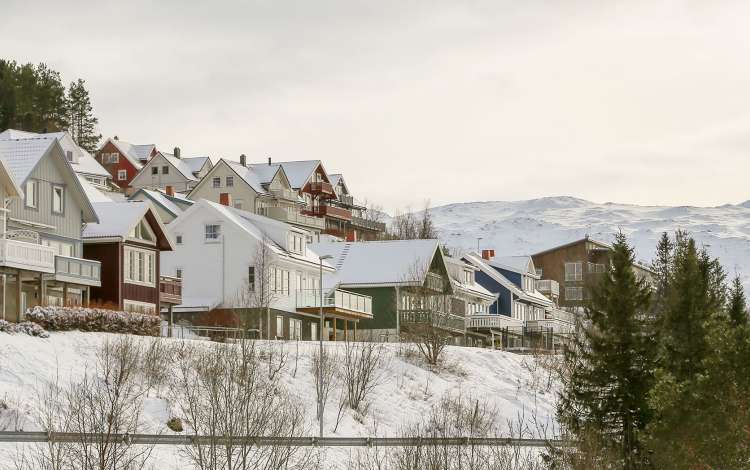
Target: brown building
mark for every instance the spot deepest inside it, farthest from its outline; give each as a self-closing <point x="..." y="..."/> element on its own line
<point x="127" y="241"/>
<point x="575" y="266"/>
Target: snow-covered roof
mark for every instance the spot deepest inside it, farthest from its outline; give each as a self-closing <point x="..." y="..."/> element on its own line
<point x="378" y="263"/>
<point x="161" y="198"/>
<point x="92" y="193"/>
<point x="521" y="264"/>
<point x="265" y="173"/>
<point x="135" y="153"/>
<point x="82" y="161"/>
<point x="250" y="175"/>
<point x="456" y="268"/>
<point x="117" y="219"/>
<point x="22" y="155"/>
<point x="477" y="261"/>
<point x="195" y="163"/>
<point x="298" y="171"/>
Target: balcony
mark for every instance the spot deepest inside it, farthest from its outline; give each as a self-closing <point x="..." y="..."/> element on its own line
<point x="340" y="302"/>
<point x="433" y="318"/>
<point x="286" y="194"/>
<point x="492" y="322"/>
<point x="346" y="199"/>
<point x="365" y="224"/>
<point x="322" y="188"/>
<point x="79" y="271"/>
<point x="436" y="282"/>
<point x="293" y="217"/>
<point x="25" y="255"/>
<point x="170" y="290"/>
<point x="548" y="287"/>
<point x="333" y="212"/>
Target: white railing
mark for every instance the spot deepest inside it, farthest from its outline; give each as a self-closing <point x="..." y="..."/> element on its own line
<point x="548" y="286"/>
<point x="287" y="194"/>
<point x="560" y="315"/>
<point x="26" y="255"/>
<point x="341" y="299"/>
<point x="294" y="217"/>
<point x="82" y="270"/>
<point x="491" y="321"/>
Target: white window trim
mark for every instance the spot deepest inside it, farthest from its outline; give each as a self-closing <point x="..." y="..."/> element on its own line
<point x="35" y="194"/>
<point x="126" y="267"/>
<point x="212" y="240"/>
<point x="120" y="173"/>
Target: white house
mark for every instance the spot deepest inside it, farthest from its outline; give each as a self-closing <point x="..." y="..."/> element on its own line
<point x="216" y="255"/>
<point x="171" y="170"/>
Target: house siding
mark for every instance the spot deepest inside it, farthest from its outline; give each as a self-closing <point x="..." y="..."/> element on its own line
<point x="122" y="164"/>
<point x="145" y="179"/>
<point x="502" y="305"/>
<point x="240" y="191"/>
<point x="383" y="308"/>
<point x="109" y="255"/>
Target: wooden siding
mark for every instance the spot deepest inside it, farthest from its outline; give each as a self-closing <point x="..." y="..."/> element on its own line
<point x="122" y="164"/>
<point x="145" y="179"/>
<point x="109" y="255"/>
<point x="49" y="172"/>
<point x="240" y="191"/>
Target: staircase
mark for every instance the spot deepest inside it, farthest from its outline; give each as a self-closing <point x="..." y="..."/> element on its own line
<point x="342" y="258"/>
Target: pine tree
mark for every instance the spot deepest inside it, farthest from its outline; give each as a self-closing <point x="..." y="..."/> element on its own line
<point x="81" y="118"/>
<point x="737" y="305"/>
<point x="610" y="364"/>
<point x="662" y="267"/>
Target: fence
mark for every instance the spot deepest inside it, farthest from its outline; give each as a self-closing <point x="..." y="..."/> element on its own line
<point x="20" y="437"/>
<point x="208" y="333"/>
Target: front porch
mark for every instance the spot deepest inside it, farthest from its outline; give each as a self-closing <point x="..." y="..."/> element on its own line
<point x="342" y="311"/>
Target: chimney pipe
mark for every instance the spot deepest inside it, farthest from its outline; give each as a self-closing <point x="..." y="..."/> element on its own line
<point x="243" y="160"/>
<point x="488" y="254"/>
<point x="117" y="138"/>
<point x="169" y="190"/>
<point x="177" y="152"/>
<point x="269" y="161"/>
<point x="225" y="199"/>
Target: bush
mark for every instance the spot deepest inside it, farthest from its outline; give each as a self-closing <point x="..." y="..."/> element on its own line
<point x="175" y="424"/>
<point x="94" y="319"/>
<point x="27" y="327"/>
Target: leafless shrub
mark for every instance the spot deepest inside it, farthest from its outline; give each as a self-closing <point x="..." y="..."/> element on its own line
<point x="362" y="371"/>
<point x="153" y="362"/>
<point x="544" y="370"/>
<point x="225" y="391"/>
<point x="324" y="373"/>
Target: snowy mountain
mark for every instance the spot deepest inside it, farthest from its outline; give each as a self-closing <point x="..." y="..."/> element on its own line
<point x="525" y="227"/>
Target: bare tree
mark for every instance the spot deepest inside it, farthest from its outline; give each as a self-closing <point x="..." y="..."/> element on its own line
<point x="410" y="225"/>
<point x="324" y="371"/>
<point x="223" y="392"/>
<point x="259" y="291"/>
<point x="362" y="372"/>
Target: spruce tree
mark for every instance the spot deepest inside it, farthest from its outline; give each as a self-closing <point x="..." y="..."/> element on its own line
<point x="81" y="118"/>
<point x="610" y="364"/>
<point x="737" y="305"/>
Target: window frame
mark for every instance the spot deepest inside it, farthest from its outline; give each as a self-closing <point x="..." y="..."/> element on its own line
<point x="577" y="274"/>
<point x="120" y="176"/>
<point x="139" y="266"/>
<point x="229" y="181"/>
<point x="165" y="169"/>
<point x="35" y="194"/>
<point x="217" y="233"/>
<point x="61" y="188"/>
<point x="154" y="170"/>
<point x="216" y="182"/>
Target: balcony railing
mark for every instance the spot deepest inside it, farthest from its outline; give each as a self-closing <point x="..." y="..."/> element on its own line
<point x="24" y="255"/>
<point x="339" y="300"/>
<point x="321" y="187"/>
<point x="346" y="199"/>
<point x="293" y="217"/>
<point x="78" y="270"/>
<point x="363" y="223"/>
<point x="491" y="322"/>
<point x="434" y="318"/>
<point x="332" y="211"/>
<point x="283" y="193"/>
<point x="436" y="282"/>
<point x="558" y="314"/>
<point x="548" y="286"/>
<point x="170" y="290"/>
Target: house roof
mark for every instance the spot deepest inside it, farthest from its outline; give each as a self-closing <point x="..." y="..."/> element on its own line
<point x="135" y="153"/>
<point x="118" y="219"/>
<point x="252" y="176"/>
<point x="298" y="172"/>
<point x="183" y="165"/>
<point x="161" y="198"/>
<point x="599" y="243"/>
<point x="379" y="263"/>
<point x="480" y="263"/>
<point x="82" y="162"/>
<point x="92" y="193"/>
<point x="521" y="264"/>
<point x="256" y="226"/>
<point x="456" y="267"/>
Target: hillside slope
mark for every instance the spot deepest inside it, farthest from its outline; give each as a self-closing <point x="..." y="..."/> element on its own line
<point x="408" y="390"/>
<point x="525" y="227"/>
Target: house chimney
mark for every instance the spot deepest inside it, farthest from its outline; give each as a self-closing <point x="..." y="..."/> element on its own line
<point x="269" y="161"/>
<point x="243" y="160"/>
<point x="169" y="190"/>
<point x="225" y="199"/>
<point x="488" y="254"/>
<point x="117" y="138"/>
<point x="177" y="152"/>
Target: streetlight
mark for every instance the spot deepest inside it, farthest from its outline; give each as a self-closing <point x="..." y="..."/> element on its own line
<point x="320" y="337"/>
<point x="478" y="240"/>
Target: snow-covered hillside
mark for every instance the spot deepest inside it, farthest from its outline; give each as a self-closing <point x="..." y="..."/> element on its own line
<point x="406" y="394"/>
<point x="525" y="227"/>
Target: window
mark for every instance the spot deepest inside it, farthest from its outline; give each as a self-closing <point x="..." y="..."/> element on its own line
<point x="539" y="272"/>
<point x="58" y="199"/>
<point x="111" y="157"/>
<point x="279" y="326"/>
<point x="297" y="243"/>
<point x="574" y="293"/>
<point x="230" y="181"/>
<point x="295" y="329"/>
<point x="213" y="232"/>
<point x="281" y="281"/>
<point x="31" y="194"/>
<point x="140" y="266"/>
<point x="468" y="278"/>
<point x="216" y="182"/>
<point x="154" y="170"/>
<point x="178" y="239"/>
<point x="299" y="281"/>
<point x="165" y="170"/>
<point x="178" y="273"/>
<point x="574" y="271"/>
<point x="238" y="204"/>
<point x="313" y="331"/>
<point x="596" y="268"/>
<point x="122" y="175"/>
<point x="251" y="278"/>
<point x="142" y="232"/>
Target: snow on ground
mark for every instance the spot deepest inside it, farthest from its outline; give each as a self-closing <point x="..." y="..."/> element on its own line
<point x="408" y="390"/>
<point x="526" y="227"/>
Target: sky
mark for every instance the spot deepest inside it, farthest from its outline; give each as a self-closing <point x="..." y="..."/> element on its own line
<point x="635" y="102"/>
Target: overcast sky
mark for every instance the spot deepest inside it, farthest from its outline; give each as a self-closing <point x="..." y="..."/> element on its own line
<point x="496" y="100"/>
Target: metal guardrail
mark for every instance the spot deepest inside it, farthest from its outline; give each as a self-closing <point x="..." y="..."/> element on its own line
<point x="187" y="439"/>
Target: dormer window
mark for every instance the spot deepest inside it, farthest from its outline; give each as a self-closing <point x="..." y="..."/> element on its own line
<point x="468" y="278"/>
<point x="142" y="232"/>
<point x="297" y="243"/>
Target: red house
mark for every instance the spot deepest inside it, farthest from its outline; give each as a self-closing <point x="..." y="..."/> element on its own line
<point x="127" y="241"/>
<point x="124" y="160"/>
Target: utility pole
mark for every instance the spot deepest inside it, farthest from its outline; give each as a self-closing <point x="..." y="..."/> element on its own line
<point x="320" y="336"/>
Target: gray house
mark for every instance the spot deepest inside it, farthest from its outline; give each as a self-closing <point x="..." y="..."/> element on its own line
<point x="41" y="262"/>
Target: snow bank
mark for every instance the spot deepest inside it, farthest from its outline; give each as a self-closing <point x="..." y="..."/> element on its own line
<point x="506" y="381"/>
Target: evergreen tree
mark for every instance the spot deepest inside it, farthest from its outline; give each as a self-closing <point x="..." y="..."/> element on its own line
<point x="81" y="118"/>
<point x="610" y="365"/>
<point x="662" y="267"/>
<point x="737" y="306"/>
<point x="32" y="98"/>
